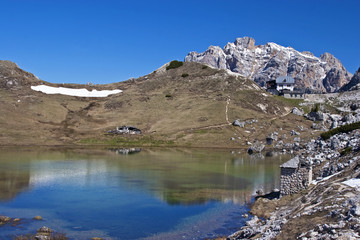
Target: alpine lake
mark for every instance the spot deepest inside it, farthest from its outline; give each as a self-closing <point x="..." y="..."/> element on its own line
<point x="132" y="193"/>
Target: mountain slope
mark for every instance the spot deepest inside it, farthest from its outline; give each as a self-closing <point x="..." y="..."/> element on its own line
<point x="353" y="84"/>
<point x="193" y="105"/>
<point x="266" y="62"/>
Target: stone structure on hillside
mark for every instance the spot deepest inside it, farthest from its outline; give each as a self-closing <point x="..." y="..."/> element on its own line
<point x="125" y="130"/>
<point x="294" y="177"/>
<point x="262" y="63"/>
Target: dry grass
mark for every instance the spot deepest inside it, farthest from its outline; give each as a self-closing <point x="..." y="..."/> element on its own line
<point x="55" y="119"/>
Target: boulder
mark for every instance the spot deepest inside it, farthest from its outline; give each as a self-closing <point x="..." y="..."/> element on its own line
<point x="256" y="147"/>
<point x="238" y="123"/>
<point x="297" y="111"/>
<point x="315" y="116"/>
<point x="4" y="219"/>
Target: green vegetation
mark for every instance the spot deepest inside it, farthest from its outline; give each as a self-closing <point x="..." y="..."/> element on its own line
<point x="184" y="75"/>
<point x="168" y="96"/>
<point x="289" y="101"/>
<point x="174" y="64"/>
<point x="315" y="108"/>
<point x="204" y="67"/>
<point x="343" y="129"/>
<point x="346" y="151"/>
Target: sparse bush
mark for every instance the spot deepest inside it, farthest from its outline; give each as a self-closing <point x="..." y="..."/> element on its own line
<point x="168" y="96"/>
<point x="316" y="108"/>
<point x="343" y="129"/>
<point x="204" y="67"/>
<point x="346" y="151"/>
<point x="174" y="64"/>
<point x="184" y="75"/>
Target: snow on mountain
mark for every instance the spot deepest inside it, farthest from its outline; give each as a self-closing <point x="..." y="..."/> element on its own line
<point x="262" y="63"/>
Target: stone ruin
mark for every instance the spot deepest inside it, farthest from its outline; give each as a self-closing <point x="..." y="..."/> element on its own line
<point x="125" y="130"/>
<point x="295" y="176"/>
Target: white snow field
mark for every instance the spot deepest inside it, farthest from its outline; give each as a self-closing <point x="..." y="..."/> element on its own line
<point x="74" y="92"/>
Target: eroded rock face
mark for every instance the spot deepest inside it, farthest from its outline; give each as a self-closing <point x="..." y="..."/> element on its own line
<point x="354" y="84"/>
<point x="262" y="63"/>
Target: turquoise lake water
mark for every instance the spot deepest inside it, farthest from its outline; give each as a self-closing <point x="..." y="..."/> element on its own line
<point x="145" y="194"/>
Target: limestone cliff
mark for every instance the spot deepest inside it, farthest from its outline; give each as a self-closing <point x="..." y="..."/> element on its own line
<point x="266" y="62"/>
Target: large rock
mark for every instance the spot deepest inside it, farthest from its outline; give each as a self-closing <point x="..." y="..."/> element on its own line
<point x="315" y="116"/>
<point x="266" y="62"/>
<point x="238" y="123"/>
<point x="297" y="111"/>
<point x="256" y="147"/>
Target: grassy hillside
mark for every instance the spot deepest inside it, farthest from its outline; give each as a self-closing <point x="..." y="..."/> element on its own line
<point x="183" y="106"/>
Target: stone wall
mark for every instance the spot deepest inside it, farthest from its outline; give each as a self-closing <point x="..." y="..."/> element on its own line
<point x="292" y="180"/>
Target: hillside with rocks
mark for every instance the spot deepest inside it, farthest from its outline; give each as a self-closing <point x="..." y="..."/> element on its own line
<point x="262" y="63"/>
<point x="191" y="105"/>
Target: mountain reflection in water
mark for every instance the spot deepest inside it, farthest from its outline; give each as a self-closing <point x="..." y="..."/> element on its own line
<point x="175" y="176"/>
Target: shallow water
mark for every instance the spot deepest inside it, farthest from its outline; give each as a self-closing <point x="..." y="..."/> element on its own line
<point x="151" y="194"/>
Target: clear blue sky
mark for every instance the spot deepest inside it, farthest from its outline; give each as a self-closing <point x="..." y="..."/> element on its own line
<point x="108" y="41"/>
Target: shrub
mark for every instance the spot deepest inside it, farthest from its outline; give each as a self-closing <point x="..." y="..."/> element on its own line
<point x="316" y="108"/>
<point x="346" y="151"/>
<point x="343" y="129"/>
<point x="168" y="96"/>
<point x="204" y="67"/>
<point x="184" y="75"/>
<point x="174" y="64"/>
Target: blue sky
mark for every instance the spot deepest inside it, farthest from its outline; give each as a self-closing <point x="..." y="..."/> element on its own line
<point x="104" y="41"/>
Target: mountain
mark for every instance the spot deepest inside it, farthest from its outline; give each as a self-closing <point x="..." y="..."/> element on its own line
<point x="353" y="84"/>
<point x="191" y="105"/>
<point x="262" y="63"/>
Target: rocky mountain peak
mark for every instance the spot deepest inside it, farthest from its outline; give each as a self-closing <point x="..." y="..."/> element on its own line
<point x="262" y="63"/>
<point x="245" y="42"/>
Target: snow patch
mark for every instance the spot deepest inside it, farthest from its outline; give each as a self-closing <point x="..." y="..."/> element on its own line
<point x="74" y="92"/>
<point x="354" y="182"/>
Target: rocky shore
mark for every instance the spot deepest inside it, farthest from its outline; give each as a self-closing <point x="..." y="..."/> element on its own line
<point x="328" y="209"/>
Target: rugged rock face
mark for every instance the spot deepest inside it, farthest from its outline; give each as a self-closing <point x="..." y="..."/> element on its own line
<point x="354" y="84"/>
<point x="266" y="62"/>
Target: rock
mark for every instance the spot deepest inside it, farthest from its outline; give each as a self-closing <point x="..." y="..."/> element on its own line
<point x="272" y="137"/>
<point x="96" y="238"/>
<point x="256" y="147"/>
<point x="315" y="116"/>
<point x="232" y="139"/>
<point x="238" y="123"/>
<point x="4" y="219"/>
<point x="355" y="80"/>
<point x="43" y="233"/>
<point x="293" y="132"/>
<point x="297" y="111"/>
<point x="266" y="62"/>
<point x="39" y="218"/>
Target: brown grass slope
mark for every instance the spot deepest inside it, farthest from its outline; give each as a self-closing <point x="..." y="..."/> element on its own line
<point x="185" y="106"/>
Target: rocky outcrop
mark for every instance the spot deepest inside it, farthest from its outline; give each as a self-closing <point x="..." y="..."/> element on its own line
<point x="354" y="83"/>
<point x="262" y="63"/>
<point x="13" y="77"/>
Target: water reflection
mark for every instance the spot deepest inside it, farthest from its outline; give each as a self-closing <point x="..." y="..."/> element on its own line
<point x="177" y="177"/>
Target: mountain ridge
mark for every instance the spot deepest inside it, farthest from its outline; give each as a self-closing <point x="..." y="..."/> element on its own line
<point x="266" y="62"/>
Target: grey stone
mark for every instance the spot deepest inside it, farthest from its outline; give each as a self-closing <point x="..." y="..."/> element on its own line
<point x="297" y="111"/>
<point x="238" y="123"/>
<point x="315" y="116"/>
<point x="256" y="147"/>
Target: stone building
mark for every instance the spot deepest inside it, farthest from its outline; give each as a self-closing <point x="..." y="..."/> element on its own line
<point x="295" y="176"/>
